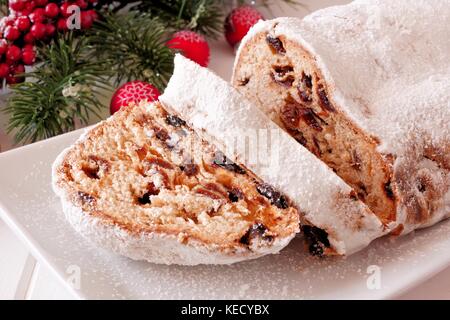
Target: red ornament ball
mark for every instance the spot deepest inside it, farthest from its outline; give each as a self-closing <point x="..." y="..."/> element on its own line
<point x="239" y="21"/>
<point x="133" y="92"/>
<point x="191" y="45"/>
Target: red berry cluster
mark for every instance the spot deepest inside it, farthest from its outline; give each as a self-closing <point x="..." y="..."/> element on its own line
<point x="31" y="21"/>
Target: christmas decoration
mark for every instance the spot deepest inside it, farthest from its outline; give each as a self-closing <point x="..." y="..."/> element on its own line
<point x="132" y="92"/>
<point x="77" y="50"/>
<point x="191" y="45"/>
<point x="238" y="22"/>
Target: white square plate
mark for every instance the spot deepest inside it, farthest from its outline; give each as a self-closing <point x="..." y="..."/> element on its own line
<point x="30" y="208"/>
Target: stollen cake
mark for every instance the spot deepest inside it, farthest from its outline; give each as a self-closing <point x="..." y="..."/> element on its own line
<point x="366" y="88"/>
<point x="146" y="185"/>
<point x="333" y="220"/>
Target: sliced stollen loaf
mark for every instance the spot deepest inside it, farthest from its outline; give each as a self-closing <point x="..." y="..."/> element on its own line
<point x="145" y="185"/>
<point x="366" y="88"/>
<point x="333" y="219"/>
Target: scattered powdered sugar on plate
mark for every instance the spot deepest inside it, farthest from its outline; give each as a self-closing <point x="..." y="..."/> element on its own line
<point x="29" y="203"/>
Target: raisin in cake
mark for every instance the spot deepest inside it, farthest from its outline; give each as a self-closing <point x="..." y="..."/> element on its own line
<point x="145" y="185"/>
<point x="334" y="220"/>
<point x="366" y="88"/>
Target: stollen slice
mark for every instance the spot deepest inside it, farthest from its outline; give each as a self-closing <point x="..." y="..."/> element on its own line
<point x="145" y="185"/>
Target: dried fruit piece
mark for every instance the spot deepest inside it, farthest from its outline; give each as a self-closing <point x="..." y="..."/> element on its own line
<point x="283" y="70"/>
<point x="275" y="45"/>
<point x="175" y="121"/>
<point x="154" y="161"/>
<point x="323" y="99"/>
<point x="292" y="112"/>
<point x="161" y="134"/>
<point x="256" y="230"/>
<point x="285" y="82"/>
<point x="388" y="190"/>
<point x="317" y="239"/>
<point x="356" y="161"/>
<point x="282" y="76"/>
<point x="86" y="198"/>
<point x="304" y="88"/>
<point x="235" y="195"/>
<point x="151" y="191"/>
<point x="275" y="197"/>
<point x="243" y="82"/>
<point x="94" y="165"/>
<point x="222" y="161"/>
<point x="310" y="117"/>
<point x="289" y="114"/>
<point x="190" y="169"/>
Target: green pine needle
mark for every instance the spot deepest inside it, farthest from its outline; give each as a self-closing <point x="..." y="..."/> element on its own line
<point x="66" y="86"/>
<point x="203" y="16"/>
<point x="133" y="46"/>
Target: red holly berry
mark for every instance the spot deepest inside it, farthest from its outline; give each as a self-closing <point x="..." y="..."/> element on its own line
<point x="64" y="9"/>
<point x="7" y="21"/>
<point x="14" y="79"/>
<point x="11" y="33"/>
<point x="41" y="3"/>
<point x="3" y="46"/>
<point x="13" y="53"/>
<point x="29" y="38"/>
<point x="51" y="10"/>
<point x="133" y="92"/>
<point x="191" y="45"/>
<point x="38" y="30"/>
<point x="93" y="14"/>
<point x="29" y="6"/>
<point x="82" y="4"/>
<point x="86" y="20"/>
<point x="17" y="69"/>
<point x="38" y="15"/>
<point x="17" y="5"/>
<point x="62" y="24"/>
<point x="23" y="23"/>
<point x="4" y="70"/>
<point x="28" y="57"/>
<point x="28" y="47"/>
<point x="238" y="22"/>
<point x="50" y="30"/>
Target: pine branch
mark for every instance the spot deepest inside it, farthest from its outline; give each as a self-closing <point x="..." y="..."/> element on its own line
<point x="65" y="87"/>
<point x="133" y="46"/>
<point x="203" y="16"/>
